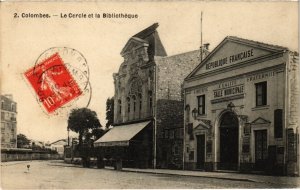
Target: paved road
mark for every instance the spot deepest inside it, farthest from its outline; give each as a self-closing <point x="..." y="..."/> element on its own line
<point x="56" y="174"/>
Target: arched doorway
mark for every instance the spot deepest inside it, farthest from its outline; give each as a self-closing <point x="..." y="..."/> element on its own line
<point x="229" y="141"/>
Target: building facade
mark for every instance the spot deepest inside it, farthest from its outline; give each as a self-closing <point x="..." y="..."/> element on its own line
<point x="8" y="122"/>
<point x="148" y="93"/>
<point x="242" y="109"/>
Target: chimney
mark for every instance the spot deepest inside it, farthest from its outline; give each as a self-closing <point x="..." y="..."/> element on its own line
<point x="204" y="51"/>
<point x="206" y="46"/>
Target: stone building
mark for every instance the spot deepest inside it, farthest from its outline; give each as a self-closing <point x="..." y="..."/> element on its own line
<point x="8" y="122"/>
<point x="148" y="104"/>
<point x="242" y="109"/>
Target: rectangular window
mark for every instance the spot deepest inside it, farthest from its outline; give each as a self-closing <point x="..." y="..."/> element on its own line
<point x="278" y="123"/>
<point x="191" y="155"/>
<point x="201" y="104"/>
<point x="261" y="93"/>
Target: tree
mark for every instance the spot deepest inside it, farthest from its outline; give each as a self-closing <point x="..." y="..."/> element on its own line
<point x="22" y="141"/>
<point x="83" y="121"/>
<point x="97" y="133"/>
<point x="109" y="112"/>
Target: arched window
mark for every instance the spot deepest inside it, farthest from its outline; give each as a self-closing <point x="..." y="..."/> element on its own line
<point x="120" y="106"/>
<point x="150" y="100"/>
<point x="134" y="103"/>
<point x="229" y="119"/>
<point x="140" y="102"/>
<point x="128" y="104"/>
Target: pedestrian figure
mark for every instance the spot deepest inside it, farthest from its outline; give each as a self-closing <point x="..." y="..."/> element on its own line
<point x="28" y="166"/>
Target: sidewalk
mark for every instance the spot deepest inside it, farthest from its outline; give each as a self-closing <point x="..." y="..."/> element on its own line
<point x="220" y="175"/>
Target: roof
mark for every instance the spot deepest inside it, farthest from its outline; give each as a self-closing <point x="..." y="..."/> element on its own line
<point x="175" y="68"/>
<point x="61" y="140"/>
<point x="146" y="32"/>
<point x="150" y="36"/>
<point x="7" y="102"/>
<point x="256" y="43"/>
<point x="121" y="135"/>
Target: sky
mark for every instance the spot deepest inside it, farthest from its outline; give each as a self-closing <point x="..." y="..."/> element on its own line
<point x="101" y="40"/>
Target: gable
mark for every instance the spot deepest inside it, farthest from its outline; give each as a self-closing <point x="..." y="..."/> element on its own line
<point x="133" y="43"/>
<point x="233" y="51"/>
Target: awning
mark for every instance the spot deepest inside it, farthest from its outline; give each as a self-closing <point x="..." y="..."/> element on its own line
<point x="120" y="135"/>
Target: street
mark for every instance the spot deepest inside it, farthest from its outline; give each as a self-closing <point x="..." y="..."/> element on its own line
<point x="57" y="174"/>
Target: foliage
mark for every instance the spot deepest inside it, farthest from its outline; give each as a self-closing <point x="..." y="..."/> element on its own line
<point x="109" y="112"/>
<point x="22" y="141"/>
<point x="83" y="121"/>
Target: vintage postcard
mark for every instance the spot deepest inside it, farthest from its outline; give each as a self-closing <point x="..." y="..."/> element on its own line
<point x="151" y="94"/>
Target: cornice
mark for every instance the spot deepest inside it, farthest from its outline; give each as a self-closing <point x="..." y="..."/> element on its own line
<point x="280" y="66"/>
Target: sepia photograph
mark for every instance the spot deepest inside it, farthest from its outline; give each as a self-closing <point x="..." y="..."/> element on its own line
<point x="149" y="95"/>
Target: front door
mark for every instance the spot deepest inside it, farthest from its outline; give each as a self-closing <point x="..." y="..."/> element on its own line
<point x="261" y="149"/>
<point x="200" y="151"/>
<point x="229" y="142"/>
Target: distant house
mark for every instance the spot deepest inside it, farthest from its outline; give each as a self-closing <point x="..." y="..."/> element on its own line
<point x="59" y="146"/>
<point x="8" y="122"/>
<point x="37" y="144"/>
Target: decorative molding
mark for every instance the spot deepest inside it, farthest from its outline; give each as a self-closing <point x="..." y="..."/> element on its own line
<point x="260" y="108"/>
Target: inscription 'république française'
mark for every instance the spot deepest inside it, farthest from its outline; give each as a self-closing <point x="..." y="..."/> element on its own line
<point x="233" y="58"/>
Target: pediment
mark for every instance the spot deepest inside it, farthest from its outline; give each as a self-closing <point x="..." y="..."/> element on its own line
<point x="259" y="121"/>
<point x="232" y="51"/>
<point x="202" y="126"/>
<point x="133" y="43"/>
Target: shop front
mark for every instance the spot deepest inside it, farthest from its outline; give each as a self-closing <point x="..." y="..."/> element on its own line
<point x="128" y="145"/>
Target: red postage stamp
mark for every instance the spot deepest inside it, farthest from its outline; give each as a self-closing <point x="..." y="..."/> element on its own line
<point x="53" y="83"/>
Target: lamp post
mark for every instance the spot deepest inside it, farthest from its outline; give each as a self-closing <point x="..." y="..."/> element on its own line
<point x="68" y="129"/>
